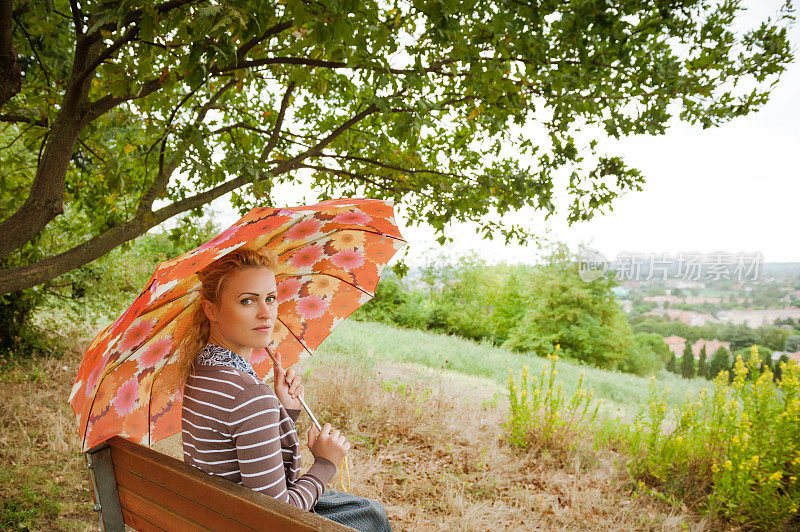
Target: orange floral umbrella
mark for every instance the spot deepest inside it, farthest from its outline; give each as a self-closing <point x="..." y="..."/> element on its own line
<point x="331" y="256"/>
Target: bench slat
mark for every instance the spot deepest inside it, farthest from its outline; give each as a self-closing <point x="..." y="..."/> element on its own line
<point x="139" y="523"/>
<point x="252" y="509"/>
<point x="162" y="498"/>
<point x="159" y="517"/>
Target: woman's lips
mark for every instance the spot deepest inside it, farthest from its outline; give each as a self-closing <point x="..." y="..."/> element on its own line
<point x="263" y="328"/>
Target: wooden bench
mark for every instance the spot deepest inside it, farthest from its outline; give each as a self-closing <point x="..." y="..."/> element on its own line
<point x="147" y="490"/>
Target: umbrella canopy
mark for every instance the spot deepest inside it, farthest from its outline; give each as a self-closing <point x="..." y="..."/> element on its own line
<point x="331" y="256"/>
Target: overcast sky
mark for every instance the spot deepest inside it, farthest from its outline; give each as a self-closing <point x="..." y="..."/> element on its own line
<point x="734" y="188"/>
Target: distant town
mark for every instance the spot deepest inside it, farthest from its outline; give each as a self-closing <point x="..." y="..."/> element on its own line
<point x="761" y="307"/>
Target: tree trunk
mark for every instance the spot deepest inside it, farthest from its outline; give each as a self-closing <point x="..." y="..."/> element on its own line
<point x="10" y="73"/>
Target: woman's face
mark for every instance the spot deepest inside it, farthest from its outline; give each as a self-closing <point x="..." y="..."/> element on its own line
<point x="245" y="314"/>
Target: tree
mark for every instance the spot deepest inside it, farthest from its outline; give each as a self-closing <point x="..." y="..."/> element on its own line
<point x="119" y="116"/>
<point x="687" y="363"/>
<point x="509" y="306"/>
<point x="582" y="317"/>
<point x="702" y="367"/>
<point x="672" y="365"/>
<point x="740" y="336"/>
<point x="719" y="362"/>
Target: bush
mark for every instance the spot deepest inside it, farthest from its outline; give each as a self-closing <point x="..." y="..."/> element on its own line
<point x="540" y="416"/>
<point x="645" y="357"/>
<point x="733" y="453"/>
<point x="395" y="304"/>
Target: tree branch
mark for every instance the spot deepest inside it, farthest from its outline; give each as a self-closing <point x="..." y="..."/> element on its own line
<point x="249" y="45"/>
<point x="19" y="118"/>
<point x="103" y="105"/>
<point x="26" y="276"/>
<point x="162" y="179"/>
<point x="108" y="52"/>
<point x="276" y="131"/>
<point x="77" y="17"/>
<point x="388" y="166"/>
<point x="33" y="49"/>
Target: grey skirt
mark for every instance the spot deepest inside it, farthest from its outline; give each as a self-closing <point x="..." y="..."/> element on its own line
<point x="366" y="515"/>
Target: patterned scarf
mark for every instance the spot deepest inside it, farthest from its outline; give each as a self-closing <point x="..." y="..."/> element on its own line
<point x="214" y="355"/>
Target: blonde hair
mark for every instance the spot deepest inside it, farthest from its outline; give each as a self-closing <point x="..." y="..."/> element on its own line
<point x="213" y="278"/>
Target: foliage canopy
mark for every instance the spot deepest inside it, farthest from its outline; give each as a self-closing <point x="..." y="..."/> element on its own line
<point x="118" y="115"/>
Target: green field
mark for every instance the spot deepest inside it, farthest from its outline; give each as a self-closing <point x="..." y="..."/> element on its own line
<point x="621" y="392"/>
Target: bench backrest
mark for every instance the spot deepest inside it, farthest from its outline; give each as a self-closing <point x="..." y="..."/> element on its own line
<point x="147" y="490"/>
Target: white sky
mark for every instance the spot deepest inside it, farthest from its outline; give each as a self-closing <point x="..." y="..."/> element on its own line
<point x="733" y="188"/>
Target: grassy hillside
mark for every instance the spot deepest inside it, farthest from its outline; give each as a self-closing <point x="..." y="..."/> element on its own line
<point x="621" y="392"/>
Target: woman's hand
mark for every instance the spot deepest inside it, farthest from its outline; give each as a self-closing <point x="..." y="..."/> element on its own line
<point x="287" y="386"/>
<point x="329" y="443"/>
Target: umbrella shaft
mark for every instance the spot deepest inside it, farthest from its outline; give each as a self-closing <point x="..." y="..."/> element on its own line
<point x="308" y="411"/>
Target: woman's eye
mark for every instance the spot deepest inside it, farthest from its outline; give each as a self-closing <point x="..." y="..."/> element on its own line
<point x="246" y="301"/>
<point x="271" y="299"/>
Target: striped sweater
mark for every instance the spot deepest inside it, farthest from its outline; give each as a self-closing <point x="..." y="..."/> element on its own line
<point x="234" y="426"/>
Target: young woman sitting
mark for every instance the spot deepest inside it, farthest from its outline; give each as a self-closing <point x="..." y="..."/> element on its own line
<point x="238" y="427"/>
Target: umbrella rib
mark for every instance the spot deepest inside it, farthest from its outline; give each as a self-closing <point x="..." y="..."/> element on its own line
<point x="307" y="242"/>
<point x="327" y="275"/>
<point x="310" y="353"/>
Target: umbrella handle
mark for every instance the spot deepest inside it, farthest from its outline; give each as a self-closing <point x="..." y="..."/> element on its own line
<point x="302" y="402"/>
<point x="344" y="463"/>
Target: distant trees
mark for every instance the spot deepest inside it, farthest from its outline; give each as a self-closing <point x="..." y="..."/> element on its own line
<point x="672" y="365"/>
<point x="792" y="344"/>
<point x="778" y="375"/>
<point x="702" y="366"/>
<point x="773" y="337"/>
<point x="719" y="362"/>
<point x="687" y="363"/>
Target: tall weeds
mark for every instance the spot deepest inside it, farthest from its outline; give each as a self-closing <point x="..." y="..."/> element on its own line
<point x="540" y="414"/>
<point x="734" y="452"/>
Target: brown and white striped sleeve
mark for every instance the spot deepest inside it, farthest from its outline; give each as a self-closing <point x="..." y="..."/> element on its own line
<point x="256" y="427"/>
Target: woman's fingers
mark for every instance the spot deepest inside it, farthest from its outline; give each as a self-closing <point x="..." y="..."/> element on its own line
<point x="312" y="436"/>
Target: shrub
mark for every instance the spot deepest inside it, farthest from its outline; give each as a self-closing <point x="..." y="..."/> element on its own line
<point x="540" y="415"/>
<point x="734" y="452"/>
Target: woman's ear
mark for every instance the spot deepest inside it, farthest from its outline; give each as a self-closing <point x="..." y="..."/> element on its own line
<point x="209" y="309"/>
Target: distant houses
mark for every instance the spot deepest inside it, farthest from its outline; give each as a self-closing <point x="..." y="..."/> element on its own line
<point x="757" y="318"/>
<point x="710" y="345"/>
<point x="677" y="345"/>
<point x="689" y="317"/>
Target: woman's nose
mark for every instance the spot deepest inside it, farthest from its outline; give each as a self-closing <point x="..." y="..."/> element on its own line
<point x="265" y="310"/>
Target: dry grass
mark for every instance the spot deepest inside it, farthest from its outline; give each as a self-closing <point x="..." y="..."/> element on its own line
<point x="429" y="447"/>
<point x="44" y="483"/>
<point x="426" y="444"/>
